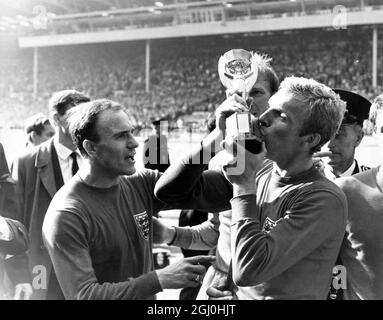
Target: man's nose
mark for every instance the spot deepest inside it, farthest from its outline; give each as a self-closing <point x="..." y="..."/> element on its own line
<point x="331" y="144"/>
<point x="263" y="121"/>
<point x="133" y="144"/>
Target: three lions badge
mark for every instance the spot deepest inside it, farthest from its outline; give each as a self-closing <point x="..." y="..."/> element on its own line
<point x="142" y="222"/>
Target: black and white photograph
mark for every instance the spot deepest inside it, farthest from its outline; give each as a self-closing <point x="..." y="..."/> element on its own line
<point x="191" y="153"/>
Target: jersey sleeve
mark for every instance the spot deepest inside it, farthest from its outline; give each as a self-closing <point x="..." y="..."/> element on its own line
<point x="258" y="256"/>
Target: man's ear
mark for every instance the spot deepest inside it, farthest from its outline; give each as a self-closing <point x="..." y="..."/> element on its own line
<point x="312" y="139"/>
<point x="360" y="136"/>
<point x="54" y="119"/>
<point x="34" y="136"/>
<point x="89" y="146"/>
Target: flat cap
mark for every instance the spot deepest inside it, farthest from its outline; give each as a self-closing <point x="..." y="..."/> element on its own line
<point x="358" y="107"/>
<point x="157" y="121"/>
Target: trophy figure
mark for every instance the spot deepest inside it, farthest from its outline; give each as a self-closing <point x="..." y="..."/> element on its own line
<point x="238" y="73"/>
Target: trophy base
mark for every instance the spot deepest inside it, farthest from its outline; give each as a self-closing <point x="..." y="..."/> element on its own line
<point x="242" y="127"/>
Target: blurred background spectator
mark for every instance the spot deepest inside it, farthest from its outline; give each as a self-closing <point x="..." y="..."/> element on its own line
<point x="38" y="129"/>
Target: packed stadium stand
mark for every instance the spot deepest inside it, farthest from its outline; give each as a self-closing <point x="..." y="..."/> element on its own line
<point x="183" y="70"/>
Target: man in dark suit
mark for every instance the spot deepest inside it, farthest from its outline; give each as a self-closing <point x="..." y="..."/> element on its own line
<point x="155" y="150"/>
<point x="342" y="162"/>
<point x="38" y="129"/>
<point x="39" y="174"/>
<point x="13" y="241"/>
<point x="8" y="203"/>
<point x="13" y="237"/>
<point x="342" y="147"/>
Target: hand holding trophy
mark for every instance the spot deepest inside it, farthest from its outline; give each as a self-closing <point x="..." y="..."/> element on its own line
<point x="238" y="73"/>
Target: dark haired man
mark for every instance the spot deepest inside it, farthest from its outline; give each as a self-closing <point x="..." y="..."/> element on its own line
<point x="342" y="147"/>
<point x="155" y="150"/>
<point x="39" y="173"/>
<point x="13" y="237"/>
<point x="38" y="129"/>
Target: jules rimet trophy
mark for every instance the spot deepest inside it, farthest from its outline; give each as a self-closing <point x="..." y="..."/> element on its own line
<point x="238" y="73"/>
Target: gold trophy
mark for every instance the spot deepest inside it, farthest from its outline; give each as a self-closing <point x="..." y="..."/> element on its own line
<point x="238" y="73"/>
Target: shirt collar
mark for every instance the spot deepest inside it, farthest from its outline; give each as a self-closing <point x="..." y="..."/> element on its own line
<point x="349" y="171"/>
<point x="62" y="151"/>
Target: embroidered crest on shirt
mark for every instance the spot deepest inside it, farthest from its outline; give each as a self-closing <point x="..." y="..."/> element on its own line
<point x="268" y="225"/>
<point x="142" y="221"/>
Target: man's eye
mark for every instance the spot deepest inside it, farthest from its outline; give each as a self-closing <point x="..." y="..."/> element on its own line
<point x="280" y="114"/>
<point x="255" y="92"/>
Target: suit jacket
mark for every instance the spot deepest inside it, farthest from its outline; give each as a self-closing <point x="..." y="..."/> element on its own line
<point x="155" y="153"/>
<point x="19" y="242"/>
<point x="8" y="201"/>
<point x="358" y="168"/>
<point x="18" y="246"/>
<point x="337" y="294"/>
<point x="36" y="186"/>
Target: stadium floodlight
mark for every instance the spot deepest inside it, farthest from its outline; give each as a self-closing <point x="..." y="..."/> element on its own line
<point x="227" y="4"/>
<point x="152" y="10"/>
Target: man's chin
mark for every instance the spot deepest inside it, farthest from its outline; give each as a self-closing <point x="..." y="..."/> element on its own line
<point x="130" y="171"/>
<point x="333" y="162"/>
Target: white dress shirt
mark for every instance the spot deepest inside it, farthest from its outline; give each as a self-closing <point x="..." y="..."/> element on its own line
<point x="332" y="176"/>
<point x="66" y="160"/>
<point x="349" y="171"/>
<point x="5" y="232"/>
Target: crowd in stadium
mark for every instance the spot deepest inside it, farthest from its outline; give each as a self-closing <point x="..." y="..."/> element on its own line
<point x="182" y="80"/>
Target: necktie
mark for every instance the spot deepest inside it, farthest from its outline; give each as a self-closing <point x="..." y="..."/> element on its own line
<point x="73" y="155"/>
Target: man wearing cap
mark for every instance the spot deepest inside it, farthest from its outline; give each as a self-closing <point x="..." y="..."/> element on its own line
<point x="342" y="162"/>
<point x="342" y="147"/>
<point x="362" y="248"/>
<point x="39" y="174"/>
<point x="155" y="151"/>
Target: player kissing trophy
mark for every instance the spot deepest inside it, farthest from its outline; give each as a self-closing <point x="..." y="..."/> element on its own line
<point x="238" y="73"/>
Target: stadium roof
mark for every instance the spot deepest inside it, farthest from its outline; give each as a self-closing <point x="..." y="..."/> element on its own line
<point x="25" y="7"/>
<point x="18" y="13"/>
